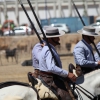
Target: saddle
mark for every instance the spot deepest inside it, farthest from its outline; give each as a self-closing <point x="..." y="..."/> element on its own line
<point x="32" y="79"/>
<point x="79" y="71"/>
<point x="76" y="70"/>
<point x="45" y="92"/>
<point x="42" y="89"/>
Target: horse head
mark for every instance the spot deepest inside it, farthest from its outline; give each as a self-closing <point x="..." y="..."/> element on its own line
<point x="91" y="84"/>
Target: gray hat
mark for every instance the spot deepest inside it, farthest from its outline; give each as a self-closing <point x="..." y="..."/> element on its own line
<point x="53" y="32"/>
<point x="89" y="31"/>
<point x="44" y="29"/>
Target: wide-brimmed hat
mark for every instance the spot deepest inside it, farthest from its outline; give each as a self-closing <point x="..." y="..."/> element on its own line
<point x="52" y="32"/>
<point x="44" y="29"/>
<point x="89" y="31"/>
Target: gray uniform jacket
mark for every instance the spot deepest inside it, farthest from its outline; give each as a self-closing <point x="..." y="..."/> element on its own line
<point x="83" y="56"/>
<point x="47" y="63"/>
<point x="36" y="51"/>
<point x="96" y="54"/>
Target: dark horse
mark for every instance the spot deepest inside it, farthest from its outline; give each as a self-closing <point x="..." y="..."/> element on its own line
<point x="12" y="53"/>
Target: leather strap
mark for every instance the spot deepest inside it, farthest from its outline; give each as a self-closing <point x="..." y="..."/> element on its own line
<point x="45" y="73"/>
<point x="37" y="71"/>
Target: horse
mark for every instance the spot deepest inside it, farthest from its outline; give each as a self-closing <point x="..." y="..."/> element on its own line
<point x="13" y="90"/>
<point x="17" y="91"/>
<point x="90" y="88"/>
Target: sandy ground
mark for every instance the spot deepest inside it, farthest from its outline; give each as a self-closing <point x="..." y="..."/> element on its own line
<point x="11" y="71"/>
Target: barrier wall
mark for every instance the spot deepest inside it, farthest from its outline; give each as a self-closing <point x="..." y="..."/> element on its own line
<point x="68" y="41"/>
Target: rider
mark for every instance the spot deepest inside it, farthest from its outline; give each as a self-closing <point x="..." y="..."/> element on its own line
<point x="97" y="56"/>
<point x="51" y="73"/>
<point x="83" y="52"/>
<point x="36" y="55"/>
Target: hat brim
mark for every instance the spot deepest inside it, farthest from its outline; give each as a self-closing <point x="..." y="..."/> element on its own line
<point x="60" y="34"/>
<point x="95" y="34"/>
<point x="39" y="31"/>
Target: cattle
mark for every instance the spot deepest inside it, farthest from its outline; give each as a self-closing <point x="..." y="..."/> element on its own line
<point x="68" y="46"/>
<point x="4" y="47"/>
<point x="22" y="46"/>
<point x="12" y="53"/>
<point x="27" y="63"/>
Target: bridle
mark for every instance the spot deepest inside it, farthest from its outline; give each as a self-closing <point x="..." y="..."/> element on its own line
<point x="85" y="92"/>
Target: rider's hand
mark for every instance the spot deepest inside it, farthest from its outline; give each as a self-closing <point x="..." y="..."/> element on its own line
<point x="98" y="62"/>
<point x="71" y="76"/>
<point x="43" y="44"/>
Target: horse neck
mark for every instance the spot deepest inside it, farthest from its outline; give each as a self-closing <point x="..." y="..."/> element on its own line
<point x="91" y="84"/>
<point x="92" y="80"/>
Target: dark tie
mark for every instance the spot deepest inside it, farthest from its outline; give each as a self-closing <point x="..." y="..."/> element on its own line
<point x="90" y="48"/>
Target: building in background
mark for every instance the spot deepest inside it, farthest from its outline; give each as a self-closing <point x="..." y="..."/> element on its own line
<point x="47" y="9"/>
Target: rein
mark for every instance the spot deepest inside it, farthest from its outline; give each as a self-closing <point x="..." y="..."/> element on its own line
<point x="80" y="88"/>
<point x="84" y="92"/>
<point x="10" y="83"/>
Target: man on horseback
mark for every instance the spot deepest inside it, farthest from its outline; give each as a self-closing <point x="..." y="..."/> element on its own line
<point x="97" y="56"/>
<point x="36" y="55"/>
<point x="52" y="74"/>
<point x="35" y="59"/>
<point x="83" y="51"/>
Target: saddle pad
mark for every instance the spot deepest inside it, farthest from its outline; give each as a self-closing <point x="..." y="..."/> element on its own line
<point x="12" y="98"/>
<point x="44" y="92"/>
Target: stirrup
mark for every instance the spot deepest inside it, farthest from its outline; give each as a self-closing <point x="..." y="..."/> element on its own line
<point x="71" y="67"/>
<point x="32" y="79"/>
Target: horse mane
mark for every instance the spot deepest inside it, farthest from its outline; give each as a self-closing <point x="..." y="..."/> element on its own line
<point x="93" y="72"/>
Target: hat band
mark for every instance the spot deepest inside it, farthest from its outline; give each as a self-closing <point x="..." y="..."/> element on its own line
<point x="91" y="33"/>
<point x="49" y="34"/>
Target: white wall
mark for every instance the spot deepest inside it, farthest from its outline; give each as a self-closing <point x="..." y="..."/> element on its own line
<point x="42" y="15"/>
